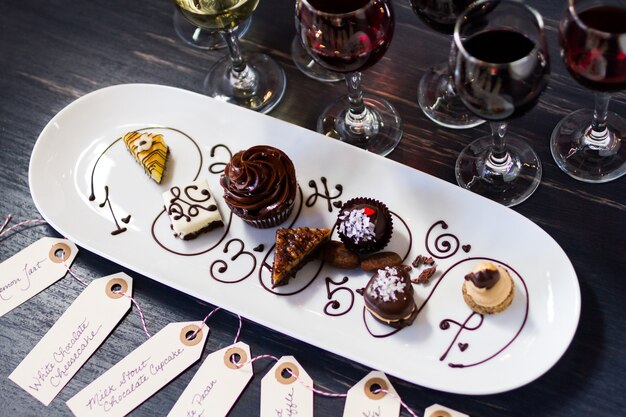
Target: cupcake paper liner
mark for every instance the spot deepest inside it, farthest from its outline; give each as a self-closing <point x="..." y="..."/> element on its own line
<point x="373" y="246"/>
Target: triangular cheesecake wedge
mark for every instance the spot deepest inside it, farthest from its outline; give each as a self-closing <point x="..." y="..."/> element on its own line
<point x="294" y="248"/>
<point x="150" y="150"/>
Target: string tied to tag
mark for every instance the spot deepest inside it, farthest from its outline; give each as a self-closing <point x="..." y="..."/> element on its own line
<point x="118" y="291"/>
<point x="215" y="310"/>
<point x="4" y="230"/>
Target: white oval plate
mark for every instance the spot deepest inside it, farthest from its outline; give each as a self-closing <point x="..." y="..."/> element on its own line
<point x="474" y="355"/>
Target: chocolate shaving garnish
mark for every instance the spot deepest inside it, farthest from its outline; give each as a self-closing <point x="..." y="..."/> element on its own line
<point x="485" y="278"/>
<point x="423" y="260"/>
<point x="425" y="275"/>
<point x="427" y="268"/>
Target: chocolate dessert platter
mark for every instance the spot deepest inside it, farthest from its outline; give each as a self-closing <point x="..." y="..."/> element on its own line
<point x="320" y="240"/>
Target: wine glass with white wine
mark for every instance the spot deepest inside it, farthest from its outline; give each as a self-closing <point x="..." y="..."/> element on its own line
<point x="254" y="81"/>
<point x="200" y="38"/>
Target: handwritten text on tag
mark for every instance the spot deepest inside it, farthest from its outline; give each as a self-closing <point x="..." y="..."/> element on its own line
<point x="74" y="337"/>
<point x="32" y="270"/>
<point x="218" y="383"/>
<point x="286" y="390"/>
<point x="142" y="373"/>
<point x="373" y="396"/>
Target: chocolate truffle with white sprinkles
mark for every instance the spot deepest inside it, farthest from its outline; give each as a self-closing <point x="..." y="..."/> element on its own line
<point x="388" y="297"/>
<point x="364" y="225"/>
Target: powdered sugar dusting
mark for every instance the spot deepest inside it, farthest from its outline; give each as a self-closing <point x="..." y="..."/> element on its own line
<point x="387" y="284"/>
<point x="356" y="225"/>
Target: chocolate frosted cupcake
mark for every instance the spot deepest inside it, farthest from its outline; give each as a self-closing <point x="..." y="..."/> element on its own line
<point x="260" y="186"/>
<point x="364" y="225"/>
<point x="389" y="297"/>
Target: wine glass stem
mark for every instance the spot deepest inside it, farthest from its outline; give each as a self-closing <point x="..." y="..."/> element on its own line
<point x="499" y="155"/>
<point x="242" y="77"/>
<point x="359" y="119"/>
<point x="599" y="135"/>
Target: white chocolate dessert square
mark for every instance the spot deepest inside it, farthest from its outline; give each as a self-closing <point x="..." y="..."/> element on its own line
<point x="192" y="209"/>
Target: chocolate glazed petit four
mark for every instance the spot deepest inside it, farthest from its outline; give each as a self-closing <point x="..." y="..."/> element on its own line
<point x="389" y="297"/>
<point x="364" y="225"/>
<point x="260" y="186"/>
<point x="488" y="289"/>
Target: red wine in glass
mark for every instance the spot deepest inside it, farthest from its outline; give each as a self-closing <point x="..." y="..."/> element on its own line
<point x="519" y="84"/>
<point x="354" y="43"/>
<point x="602" y="65"/>
<point x="590" y="144"/>
<point x="347" y="37"/>
<point x="436" y="95"/>
<point x="439" y="15"/>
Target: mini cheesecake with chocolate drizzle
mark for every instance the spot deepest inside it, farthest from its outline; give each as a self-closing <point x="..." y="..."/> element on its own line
<point x="488" y="289"/>
<point x="150" y="150"/>
<point x="364" y="225"/>
<point x="388" y="297"/>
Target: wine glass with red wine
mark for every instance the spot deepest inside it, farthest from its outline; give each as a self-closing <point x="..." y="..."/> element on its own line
<point x="502" y="66"/>
<point x="590" y="145"/>
<point x="347" y="37"/>
<point x="436" y="94"/>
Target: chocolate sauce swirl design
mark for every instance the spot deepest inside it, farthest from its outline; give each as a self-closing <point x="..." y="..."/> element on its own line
<point x="312" y="199"/>
<point x="192" y="201"/>
<point x="333" y="305"/>
<point x="259" y="182"/>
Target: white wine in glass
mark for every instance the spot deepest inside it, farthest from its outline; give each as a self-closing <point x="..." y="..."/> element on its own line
<point x="255" y="81"/>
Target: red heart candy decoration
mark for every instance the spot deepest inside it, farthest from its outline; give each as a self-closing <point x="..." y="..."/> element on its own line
<point x="369" y="211"/>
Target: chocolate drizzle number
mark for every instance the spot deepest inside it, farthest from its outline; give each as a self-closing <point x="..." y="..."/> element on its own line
<point x="190" y="200"/>
<point x="445" y="325"/>
<point x="446" y="245"/>
<point x="218" y="167"/>
<point x="118" y="229"/>
<point x="333" y="304"/>
<point x="223" y="265"/>
<point x="312" y="199"/>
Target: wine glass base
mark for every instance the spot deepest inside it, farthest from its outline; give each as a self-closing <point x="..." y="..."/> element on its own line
<point x="309" y="67"/>
<point x="203" y="38"/>
<point x="510" y="186"/>
<point x="270" y="87"/>
<point x="585" y="161"/>
<point x="332" y="124"/>
<point x="440" y="103"/>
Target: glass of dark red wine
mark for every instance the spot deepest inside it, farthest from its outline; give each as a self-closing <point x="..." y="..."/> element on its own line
<point x="590" y="145"/>
<point x="347" y="37"/>
<point x="436" y="94"/>
<point x="502" y="66"/>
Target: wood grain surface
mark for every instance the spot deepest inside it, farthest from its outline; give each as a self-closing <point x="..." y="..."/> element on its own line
<point x="52" y="52"/>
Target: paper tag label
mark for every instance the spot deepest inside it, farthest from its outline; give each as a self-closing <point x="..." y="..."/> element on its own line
<point x="286" y="390"/>
<point x="142" y="373"/>
<point x="437" y="410"/>
<point x="73" y="338"/>
<point x="216" y="386"/>
<point x="367" y="399"/>
<point x="32" y="270"/>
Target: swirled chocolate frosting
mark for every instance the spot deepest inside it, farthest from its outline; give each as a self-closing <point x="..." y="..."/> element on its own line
<point x="258" y="182"/>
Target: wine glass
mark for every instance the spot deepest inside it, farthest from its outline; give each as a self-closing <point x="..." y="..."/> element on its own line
<point x="255" y="81"/>
<point x="308" y="66"/>
<point x="348" y="37"/>
<point x="436" y="95"/>
<point x="590" y="145"/>
<point x="200" y="38"/>
<point x="502" y="66"/>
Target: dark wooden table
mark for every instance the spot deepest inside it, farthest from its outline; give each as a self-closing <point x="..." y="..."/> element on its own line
<point x="52" y="52"/>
